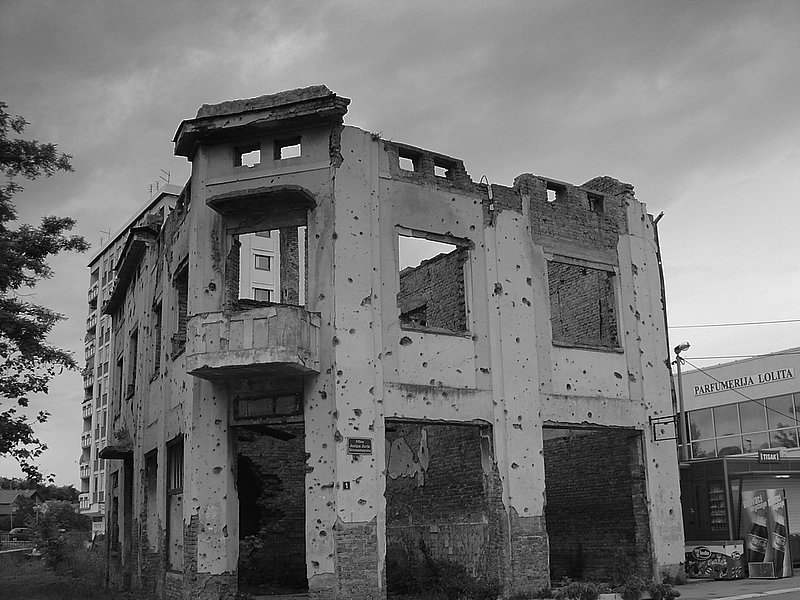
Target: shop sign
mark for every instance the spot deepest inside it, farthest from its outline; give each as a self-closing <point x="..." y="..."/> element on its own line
<point x="769" y="456"/>
<point x="359" y="445"/>
<point x="743" y="381"/>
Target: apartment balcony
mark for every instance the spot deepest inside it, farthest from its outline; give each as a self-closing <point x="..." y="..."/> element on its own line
<point x="268" y="340"/>
<point x="86" y="440"/>
<point x="94" y="290"/>
<point x="91" y="323"/>
<point x="86" y="410"/>
<point x="88" y="380"/>
<point x="84" y="501"/>
<point x="85" y="471"/>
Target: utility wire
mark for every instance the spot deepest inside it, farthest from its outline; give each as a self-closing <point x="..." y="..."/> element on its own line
<point x="759" y="402"/>
<point x="735" y="324"/>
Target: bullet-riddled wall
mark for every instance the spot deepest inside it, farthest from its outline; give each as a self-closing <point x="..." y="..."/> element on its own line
<point x="401" y="396"/>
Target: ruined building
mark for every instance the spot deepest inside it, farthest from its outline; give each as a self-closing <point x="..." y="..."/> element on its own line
<point x="449" y="373"/>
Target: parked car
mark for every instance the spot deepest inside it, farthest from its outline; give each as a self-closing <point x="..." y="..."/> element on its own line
<point x="19" y="534"/>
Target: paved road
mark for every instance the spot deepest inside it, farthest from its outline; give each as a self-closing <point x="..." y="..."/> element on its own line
<point x="742" y="589"/>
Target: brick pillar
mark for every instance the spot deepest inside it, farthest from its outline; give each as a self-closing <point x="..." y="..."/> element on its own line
<point x="290" y="266"/>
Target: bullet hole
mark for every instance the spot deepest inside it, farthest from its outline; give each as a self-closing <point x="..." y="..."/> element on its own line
<point x="569" y="387"/>
<point x="367" y="300"/>
<point x="349" y="280"/>
<point x="589" y="414"/>
<point x="357" y="412"/>
<point x="498" y="289"/>
<point x="372" y="391"/>
<point x="526" y="302"/>
<point x="339" y="373"/>
<point x="514" y="465"/>
<point x="405" y="341"/>
<point x="334" y="236"/>
<point x="528" y="281"/>
<point x="217" y="470"/>
<point x="352" y="331"/>
<point x="517" y="340"/>
<point x="617" y="375"/>
<point x="323" y="533"/>
<point x="424" y="364"/>
<point x="212" y="286"/>
<point x="335" y="341"/>
<point x="323" y="394"/>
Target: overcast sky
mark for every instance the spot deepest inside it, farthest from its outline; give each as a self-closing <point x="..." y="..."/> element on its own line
<point x="697" y="104"/>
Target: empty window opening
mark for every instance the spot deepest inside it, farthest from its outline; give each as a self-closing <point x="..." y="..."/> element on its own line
<point x="288" y="148"/>
<point x="555" y="192"/>
<point x="133" y="351"/>
<point x="442" y="168"/>
<point x="271" y="472"/>
<point x="583" y="307"/>
<point x="156" y="345"/>
<point x="269" y="266"/>
<point x="247" y="156"/>
<point x="151" y="499"/>
<point x="181" y="284"/>
<point x="408" y="161"/>
<point x="595" y="203"/>
<point x="432" y="282"/>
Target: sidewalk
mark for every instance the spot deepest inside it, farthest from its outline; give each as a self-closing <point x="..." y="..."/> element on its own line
<point x="740" y="589"/>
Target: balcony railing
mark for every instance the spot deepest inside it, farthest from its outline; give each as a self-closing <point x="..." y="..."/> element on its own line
<point x="86" y="440"/>
<point x="88" y="380"/>
<point x="91" y="323"/>
<point x="86" y="410"/>
<point x="271" y="339"/>
<point x="83" y="501"/>
<point x="93" y="292"/>
<point x="85" y="471"/>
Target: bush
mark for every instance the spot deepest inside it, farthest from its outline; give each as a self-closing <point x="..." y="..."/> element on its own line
<point x="578" y="590"/>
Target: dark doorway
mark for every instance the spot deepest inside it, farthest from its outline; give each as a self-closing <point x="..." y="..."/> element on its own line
<point x="596" y="512"/>
<point x="271" y="485"/>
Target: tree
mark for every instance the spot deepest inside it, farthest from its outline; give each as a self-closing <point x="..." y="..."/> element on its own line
<point x="27" y="362"/>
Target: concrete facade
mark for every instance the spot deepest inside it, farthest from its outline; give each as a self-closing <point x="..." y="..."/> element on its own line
<point x="424" y="427"/>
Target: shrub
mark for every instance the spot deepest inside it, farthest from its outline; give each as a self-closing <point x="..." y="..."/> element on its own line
<point x="578" y="590"/>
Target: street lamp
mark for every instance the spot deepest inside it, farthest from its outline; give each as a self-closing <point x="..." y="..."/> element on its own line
<point x="684" y="454"/>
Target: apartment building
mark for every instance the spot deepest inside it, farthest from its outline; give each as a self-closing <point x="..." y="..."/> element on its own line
<point x="446" y="372"/>
<point x="98" y="355"/>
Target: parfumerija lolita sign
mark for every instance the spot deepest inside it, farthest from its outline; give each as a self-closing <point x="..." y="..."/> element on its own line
<point x="743" y="381"/>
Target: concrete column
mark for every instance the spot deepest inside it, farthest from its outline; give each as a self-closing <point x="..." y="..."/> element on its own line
<point x="517" y="305"/>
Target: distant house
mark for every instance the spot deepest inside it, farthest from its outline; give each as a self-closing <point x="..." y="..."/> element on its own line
<point x="9" y="504"/>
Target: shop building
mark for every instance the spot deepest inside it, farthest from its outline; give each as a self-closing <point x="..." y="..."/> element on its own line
<point x="448" y="371"/>
<point x="743" y="433"/>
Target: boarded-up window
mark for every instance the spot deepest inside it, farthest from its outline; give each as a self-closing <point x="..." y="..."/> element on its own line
<point x="583" y="308"/>
<point x="175" y="505"/>
<point x="182" y="301"/>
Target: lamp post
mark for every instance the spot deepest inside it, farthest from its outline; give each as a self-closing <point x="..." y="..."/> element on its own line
<point x="684" y="447"/>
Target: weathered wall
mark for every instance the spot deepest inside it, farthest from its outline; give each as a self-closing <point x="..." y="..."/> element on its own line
<point x="441" y="500"/>
<point x="595" y="502"/>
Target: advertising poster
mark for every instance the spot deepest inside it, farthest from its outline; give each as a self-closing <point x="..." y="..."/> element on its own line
<point x="717" y="560"/>
<point x="764" y="529"/>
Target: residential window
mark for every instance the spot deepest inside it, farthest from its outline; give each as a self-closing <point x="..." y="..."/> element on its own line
<point x="262" y="294"/>
<point x="263" y="262"/>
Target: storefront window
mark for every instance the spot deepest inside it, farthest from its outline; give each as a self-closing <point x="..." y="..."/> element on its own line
<point x="754" y="416"/>
<point x="701" y="424"/>
<point x="780" y="412"/>
<point x="783" y="438"/>
<point x="726" y="420"/>
<point x="704" y="449"/>
<point x="755" y="441"/>
<point x="731" y="444"/>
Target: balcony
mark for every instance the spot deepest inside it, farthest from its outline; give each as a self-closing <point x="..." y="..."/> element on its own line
<point x="88" y="380"/>
<point x="86" y="410"/>
<point x="268" y="340"/>
<point x="91" y="323"/>
<point x="85" y="471"/>
<point x="83" y="500"/>
<point x="93" y="292"/>
<point x="86" y="440"/>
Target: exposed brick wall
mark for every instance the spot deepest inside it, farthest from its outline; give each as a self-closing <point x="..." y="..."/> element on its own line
<point x="434" y="292"/>
<point x="271" y="488"/>
<point x="356" y="561"/>
<point x="583" y="308"/>
<point x="530" y="554"/>
<point x="570" y="220"/>
<point x="596" y="512"/>
<point x="290" y="266"/>
<point x="440" y="502"/>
